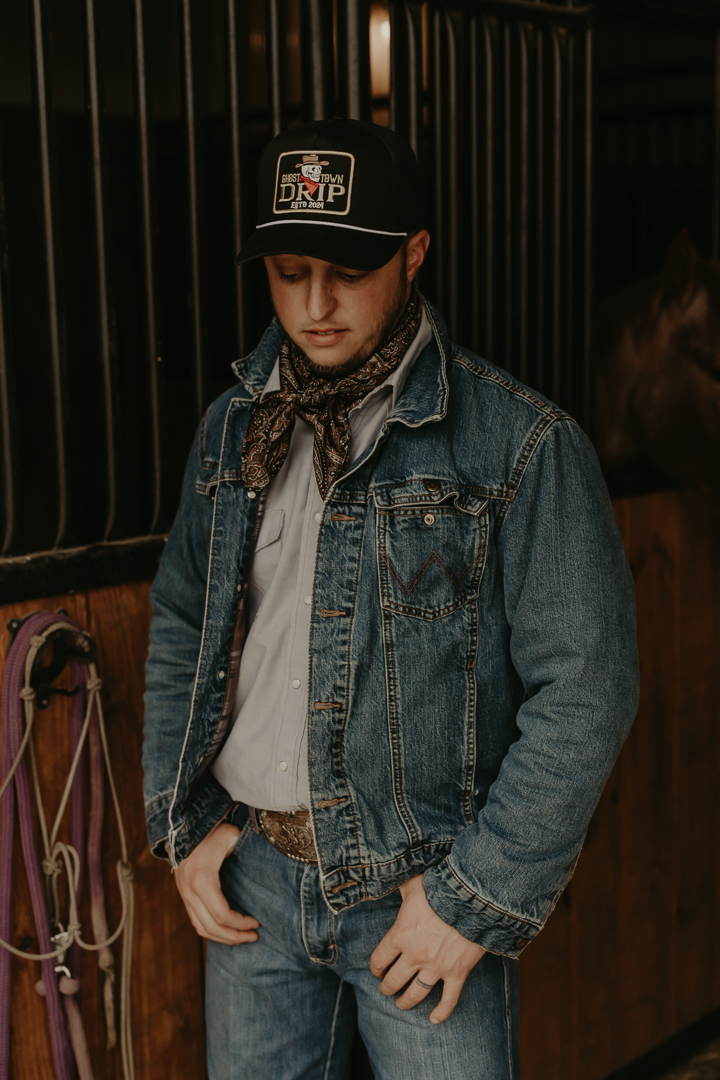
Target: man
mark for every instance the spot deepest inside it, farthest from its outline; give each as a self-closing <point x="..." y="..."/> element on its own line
<point x="392" y="655"/>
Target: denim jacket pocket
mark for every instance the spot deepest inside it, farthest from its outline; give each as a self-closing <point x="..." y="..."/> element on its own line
<point x="430" y="558"/>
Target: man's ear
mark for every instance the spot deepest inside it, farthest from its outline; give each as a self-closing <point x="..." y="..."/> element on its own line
<point x="682" y="272"/>
<point x="417" y="245"/>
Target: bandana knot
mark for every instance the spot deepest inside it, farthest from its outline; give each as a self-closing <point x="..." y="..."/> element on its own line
<point x="323" y="403"/>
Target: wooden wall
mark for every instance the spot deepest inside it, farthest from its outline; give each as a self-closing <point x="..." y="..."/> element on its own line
<point x="629" y="956"/>
<point x="167" y="954"/>
<point x="632" y="955"/>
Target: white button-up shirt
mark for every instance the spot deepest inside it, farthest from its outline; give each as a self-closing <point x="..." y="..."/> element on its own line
<point x="264" y="762"/>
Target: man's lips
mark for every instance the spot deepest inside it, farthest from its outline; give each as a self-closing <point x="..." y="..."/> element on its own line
<point x="325" y="337"/>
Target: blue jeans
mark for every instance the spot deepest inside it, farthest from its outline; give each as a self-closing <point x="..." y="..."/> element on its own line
<point x="284" y="1007"/>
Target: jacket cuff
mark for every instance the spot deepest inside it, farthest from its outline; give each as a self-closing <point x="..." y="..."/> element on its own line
<point x="156" y="814"/>
<point x="495" y="930"/>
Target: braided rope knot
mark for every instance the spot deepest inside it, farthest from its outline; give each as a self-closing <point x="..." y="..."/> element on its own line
<point x="51" y="867"/>
<point x="27" y="693"/>
<point x="37" y="641"/>
<point x="94" y="684"/>
<point x="64" y="939"/>
<point x="126" y="871"/>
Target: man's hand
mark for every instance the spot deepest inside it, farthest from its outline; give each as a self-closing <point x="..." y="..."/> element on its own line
<point x="421" y="947"/>
<point x="198" y="882"/>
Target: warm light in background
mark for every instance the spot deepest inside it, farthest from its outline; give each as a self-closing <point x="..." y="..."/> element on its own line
<point x="380" y="50"/>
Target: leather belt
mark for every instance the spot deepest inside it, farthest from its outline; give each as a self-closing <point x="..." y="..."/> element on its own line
<point x="289" y="832"/>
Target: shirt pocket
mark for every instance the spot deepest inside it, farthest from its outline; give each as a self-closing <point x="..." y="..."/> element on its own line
<point x="430" y="559"/>
<point x="265" y="558"/>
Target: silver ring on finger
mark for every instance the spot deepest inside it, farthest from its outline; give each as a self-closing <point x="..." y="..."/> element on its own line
<point x="425" y="986"/>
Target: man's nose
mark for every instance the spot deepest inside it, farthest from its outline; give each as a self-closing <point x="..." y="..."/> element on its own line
<point x="320" y="299"/>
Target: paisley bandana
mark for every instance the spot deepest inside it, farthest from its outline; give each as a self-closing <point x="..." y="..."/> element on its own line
<point x="324" y="403"/>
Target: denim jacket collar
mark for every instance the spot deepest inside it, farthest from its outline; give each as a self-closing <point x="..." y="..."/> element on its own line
<point x="425" y="395"/>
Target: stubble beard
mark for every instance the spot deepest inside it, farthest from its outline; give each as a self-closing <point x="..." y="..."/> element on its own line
<point x="381" y="332"/>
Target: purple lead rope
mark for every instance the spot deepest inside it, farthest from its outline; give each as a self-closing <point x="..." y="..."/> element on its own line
<point x="12" y="713"/>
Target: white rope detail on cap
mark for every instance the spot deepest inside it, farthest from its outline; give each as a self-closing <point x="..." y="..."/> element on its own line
<point x="333" y="224"/>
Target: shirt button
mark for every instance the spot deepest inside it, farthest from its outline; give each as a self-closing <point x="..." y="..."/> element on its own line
<point x="296" y="684"/>
<point x="252" y="494"/>
<point x="318" y="518"/>
<point x="307" y="600"/>
<point x="282" y="766"/>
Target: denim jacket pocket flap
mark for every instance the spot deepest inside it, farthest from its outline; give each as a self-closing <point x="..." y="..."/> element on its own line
<point x="430" y="558"/>
<point x="428" y="490"/>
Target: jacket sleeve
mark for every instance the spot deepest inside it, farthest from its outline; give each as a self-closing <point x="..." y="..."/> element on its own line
<point x="178" y="605"/>
<point x="569" y="603"/>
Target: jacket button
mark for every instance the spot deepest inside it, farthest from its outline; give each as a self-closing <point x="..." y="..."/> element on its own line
<point x="522" y="942"/>
<point x="251" y="494"/>
<point x="432" y="485"/>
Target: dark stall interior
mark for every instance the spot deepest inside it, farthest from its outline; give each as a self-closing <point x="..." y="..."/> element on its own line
<point x="565" y="147"/>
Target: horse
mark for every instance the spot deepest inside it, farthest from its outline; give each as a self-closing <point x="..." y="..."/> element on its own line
<point x="656" y="357"/>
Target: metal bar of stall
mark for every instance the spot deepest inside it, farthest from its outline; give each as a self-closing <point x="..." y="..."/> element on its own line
<point x="566" y="390"/>
<point x="523" y="170"/>
<point x="715" y="240"/>
<point x="438" y="148"/>
<point x="237" y="152"/>
<point x="8" y="441"/>
<point x="556" y="216"/>
<point x="44" y="117"/>
<point x="317" y="59"/>
<point x="150" y="266"/>
<point x="194" y="167"/>
<point x="476" y="238"/>
<point x="106" y="314"/>
<point x="490" y="192"/>
<point x="508" y="359"/>
<point x="275" y="52"/>
<point x="353" y="38"/>
<point x="539" y="283"/>
<point x="585" y="416"/>
<point x="406" y="89"/>
<point x="450" y="187"/>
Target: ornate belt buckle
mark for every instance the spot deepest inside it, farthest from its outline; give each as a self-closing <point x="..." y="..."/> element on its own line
<point x="289" y="833"/>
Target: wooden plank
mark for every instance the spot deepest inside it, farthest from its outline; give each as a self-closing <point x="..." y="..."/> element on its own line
<point x="167" y="1004"/>
<point x="639" y="960"/>
<point x="696" y="801"/>
<point x="547" y="1006"/>
<point x="645" y="897"/>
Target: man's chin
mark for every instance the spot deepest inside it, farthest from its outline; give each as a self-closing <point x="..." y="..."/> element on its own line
<point x="330" y="364"/>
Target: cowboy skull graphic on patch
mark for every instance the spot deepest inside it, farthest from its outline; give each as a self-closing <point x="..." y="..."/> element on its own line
<point x="308" y="182"/>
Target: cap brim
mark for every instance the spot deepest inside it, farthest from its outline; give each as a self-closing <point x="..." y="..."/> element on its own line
<point x="351" y="248"/>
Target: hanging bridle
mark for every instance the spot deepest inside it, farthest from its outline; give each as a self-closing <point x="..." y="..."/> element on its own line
<point x="26" y="685"/>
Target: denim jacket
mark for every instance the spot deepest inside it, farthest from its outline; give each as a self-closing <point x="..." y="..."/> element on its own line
<point x="464" y="716"/>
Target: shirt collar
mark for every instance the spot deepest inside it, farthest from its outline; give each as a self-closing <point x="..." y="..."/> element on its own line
<point x="396" y="379"/>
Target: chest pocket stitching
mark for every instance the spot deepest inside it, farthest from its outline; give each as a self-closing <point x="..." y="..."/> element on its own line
<point x="433" y="557"/>
<point x="424" y="608"/>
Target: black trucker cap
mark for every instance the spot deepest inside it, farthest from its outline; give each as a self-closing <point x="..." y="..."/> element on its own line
<point x="346" y="191"/>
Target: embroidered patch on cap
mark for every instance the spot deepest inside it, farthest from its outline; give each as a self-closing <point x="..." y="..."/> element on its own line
<point x="310" y="182"/>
